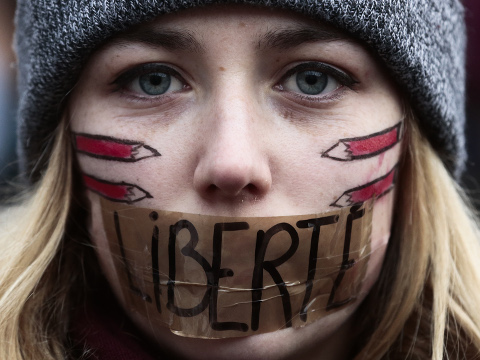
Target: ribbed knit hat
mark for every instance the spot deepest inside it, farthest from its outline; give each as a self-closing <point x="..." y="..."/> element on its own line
<point x="422" y="43"/>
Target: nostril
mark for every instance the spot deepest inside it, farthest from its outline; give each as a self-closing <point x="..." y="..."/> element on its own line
<point x="249" y="189"/>
<point x="252" y="189"/>
<point x="211" y="189"/>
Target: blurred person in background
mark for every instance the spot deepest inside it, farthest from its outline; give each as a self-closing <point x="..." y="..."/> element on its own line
<point x="8" y="167"/>
<point x="472" y="176"/>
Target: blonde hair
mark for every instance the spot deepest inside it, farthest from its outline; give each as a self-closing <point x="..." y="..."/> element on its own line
<point x="426" y="295"/>
<point x="431" y="274"/>
<point x="34" y="286"/>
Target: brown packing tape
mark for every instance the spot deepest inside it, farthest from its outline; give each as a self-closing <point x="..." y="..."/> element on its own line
<point x="222" y="277"/>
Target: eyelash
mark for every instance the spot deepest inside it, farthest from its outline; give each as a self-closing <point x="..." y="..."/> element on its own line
<point x="126" y="79"/>
<point x="342" y="77"/>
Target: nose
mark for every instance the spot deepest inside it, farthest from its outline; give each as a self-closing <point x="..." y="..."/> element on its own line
<point x="234" y="161"/>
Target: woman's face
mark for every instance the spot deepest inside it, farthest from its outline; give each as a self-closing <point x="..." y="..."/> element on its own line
<point x="243" y="112"/>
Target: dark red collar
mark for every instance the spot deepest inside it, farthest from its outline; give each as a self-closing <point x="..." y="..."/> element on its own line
<point x="104" y="331"/>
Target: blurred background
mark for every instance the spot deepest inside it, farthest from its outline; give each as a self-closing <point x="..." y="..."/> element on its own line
<point x="8" y="100"/>
<point x="472" y="177"/>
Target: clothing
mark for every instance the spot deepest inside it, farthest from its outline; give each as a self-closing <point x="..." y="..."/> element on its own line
<point x="106" y="334"/>
<point x="422" y="43"/>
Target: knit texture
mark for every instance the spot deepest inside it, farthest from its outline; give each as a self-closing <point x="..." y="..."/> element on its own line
<point x="422" y="43"/>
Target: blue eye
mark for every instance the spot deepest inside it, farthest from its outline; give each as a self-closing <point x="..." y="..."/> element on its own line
<point x="155" y="83"/>
<point x="311" y="82"/>
<point x="151" y="80"/>
<point x="315" y="78"/>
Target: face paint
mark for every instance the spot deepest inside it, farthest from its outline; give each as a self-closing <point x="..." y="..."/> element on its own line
<point x="366" y="146"/>
<point x="120" y="192"/>
<point x="376" y="188"/>
<point x="222" y="277"/>
<point x="109" y="148"/>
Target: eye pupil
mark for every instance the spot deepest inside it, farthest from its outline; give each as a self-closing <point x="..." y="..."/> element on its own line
<point x="155" y="84"/>
<point x="312" y="82"/>
<point x="156" y="80"/>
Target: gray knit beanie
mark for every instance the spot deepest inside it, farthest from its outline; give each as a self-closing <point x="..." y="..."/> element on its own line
<point x="422" y="43"/>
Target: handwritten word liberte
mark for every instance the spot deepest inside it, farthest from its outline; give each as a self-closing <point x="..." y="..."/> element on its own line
<point x="213" y="270"/>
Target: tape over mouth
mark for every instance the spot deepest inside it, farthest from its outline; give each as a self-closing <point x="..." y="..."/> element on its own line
<point x="223" y="277"/>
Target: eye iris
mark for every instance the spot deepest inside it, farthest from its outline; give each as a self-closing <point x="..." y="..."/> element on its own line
<point x="155" y="83"/>
<point x="312" y="82"/>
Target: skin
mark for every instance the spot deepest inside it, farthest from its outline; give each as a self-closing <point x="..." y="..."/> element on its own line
<point x="239" y="138"/>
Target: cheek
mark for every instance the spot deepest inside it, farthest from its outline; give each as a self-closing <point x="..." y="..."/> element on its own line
<point x="317" y="167"/>
<point x="381" y="230"/>
<point x="354" y="170"/>
<point x="331" y="177"/>
<point x="102" y="246"/>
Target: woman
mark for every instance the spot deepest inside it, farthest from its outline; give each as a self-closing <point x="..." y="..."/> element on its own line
<point x="254" y="183"/>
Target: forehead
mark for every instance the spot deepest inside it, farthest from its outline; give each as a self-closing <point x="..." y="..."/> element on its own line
<point x="263" y="28"/>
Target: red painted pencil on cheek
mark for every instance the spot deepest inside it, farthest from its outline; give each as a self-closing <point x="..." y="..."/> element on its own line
<point x="365" y="146"/>
<point x="119" y="192"/>
<point x="109" y="148"/>
<point x="378" y="187"/>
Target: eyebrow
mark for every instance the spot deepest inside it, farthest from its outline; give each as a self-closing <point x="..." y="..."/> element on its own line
<point x="172" y="40"/>
<point x="290" y="37"/>
<point x="184" y="40"/>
